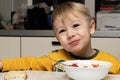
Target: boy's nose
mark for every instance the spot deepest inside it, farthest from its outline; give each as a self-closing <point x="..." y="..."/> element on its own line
<point x="70" y="34"/>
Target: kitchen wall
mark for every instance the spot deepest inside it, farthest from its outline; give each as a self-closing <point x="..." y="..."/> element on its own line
<point x="5" y="9"/>
<point x="6" y="6"/>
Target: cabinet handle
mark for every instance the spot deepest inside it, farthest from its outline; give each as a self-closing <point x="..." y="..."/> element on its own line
<point x="55" y="43"/>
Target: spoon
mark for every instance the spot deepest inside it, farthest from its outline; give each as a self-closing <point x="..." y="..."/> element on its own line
<point x="56" y="61"/>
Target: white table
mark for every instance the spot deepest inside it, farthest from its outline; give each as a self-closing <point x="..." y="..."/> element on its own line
<point x="46" y="75"/>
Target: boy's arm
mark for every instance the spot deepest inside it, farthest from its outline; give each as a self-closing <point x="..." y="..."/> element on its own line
<point x="25" y="63"/>
<point x="11" y="64"/>
<point x="22" y="63"/>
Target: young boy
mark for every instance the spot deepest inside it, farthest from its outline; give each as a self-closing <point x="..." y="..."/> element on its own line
<point x="73" y="27"/>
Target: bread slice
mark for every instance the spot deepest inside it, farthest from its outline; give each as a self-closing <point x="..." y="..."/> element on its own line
<point x="15" y="75"/>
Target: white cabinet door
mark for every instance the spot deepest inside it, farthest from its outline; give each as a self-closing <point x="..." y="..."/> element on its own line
<point x="37" y="46"/>
<point x="9" y="47"/>
<point x="111" y="45"/>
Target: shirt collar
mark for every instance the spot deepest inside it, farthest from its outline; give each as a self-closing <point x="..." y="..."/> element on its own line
<point x="85" y="58"/>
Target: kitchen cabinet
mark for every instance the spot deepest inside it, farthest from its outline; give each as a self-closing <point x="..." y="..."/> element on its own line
<point x="111" y="45"/>
<point x="9" y="47"/>
<point x="37" y="46"/>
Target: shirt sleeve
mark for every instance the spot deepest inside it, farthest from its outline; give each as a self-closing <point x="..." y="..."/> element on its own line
<point x="24" y="63"/>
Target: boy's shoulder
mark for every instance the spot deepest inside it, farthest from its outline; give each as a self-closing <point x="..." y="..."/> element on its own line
<point x="101" y="52"/>
<point x="58" y="51"/>
<point x="106" y="55"/>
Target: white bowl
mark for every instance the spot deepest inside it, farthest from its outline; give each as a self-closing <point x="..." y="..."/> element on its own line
<point x="87" y="69"/>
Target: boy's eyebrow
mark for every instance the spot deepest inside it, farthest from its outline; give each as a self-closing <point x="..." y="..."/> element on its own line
<point x="58" y="27"/>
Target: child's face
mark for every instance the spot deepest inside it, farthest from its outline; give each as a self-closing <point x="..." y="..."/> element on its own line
<point x="73" y="32"/>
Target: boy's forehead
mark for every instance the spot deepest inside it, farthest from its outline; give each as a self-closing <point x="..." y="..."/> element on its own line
<point x="65" y="18"/>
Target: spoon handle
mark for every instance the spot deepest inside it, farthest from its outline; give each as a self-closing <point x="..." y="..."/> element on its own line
<point x="55" y="60"/>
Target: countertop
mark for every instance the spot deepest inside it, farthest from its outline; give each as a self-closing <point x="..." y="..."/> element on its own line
<point x="49" y="33"/>
<point x="47" y="75"/>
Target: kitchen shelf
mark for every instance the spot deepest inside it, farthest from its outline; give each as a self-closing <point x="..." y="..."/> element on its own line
<point x="49" y="33"/>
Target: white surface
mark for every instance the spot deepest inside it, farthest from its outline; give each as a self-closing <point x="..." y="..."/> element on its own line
<point x="112" y="77"/>
<point x="42" y="75"/>
<point x="45" y="75"/>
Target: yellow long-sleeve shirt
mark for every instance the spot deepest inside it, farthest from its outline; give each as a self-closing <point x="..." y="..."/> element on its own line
<point x="43" y="63"/>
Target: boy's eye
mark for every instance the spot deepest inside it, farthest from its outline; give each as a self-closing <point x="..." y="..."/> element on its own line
<point x="62" y="30"/>
<point x="76" y="25"/>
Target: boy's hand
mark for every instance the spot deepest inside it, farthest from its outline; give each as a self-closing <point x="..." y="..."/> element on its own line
<point x="0" y="66"/>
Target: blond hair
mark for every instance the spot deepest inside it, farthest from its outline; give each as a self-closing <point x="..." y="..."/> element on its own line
<point x="63" y="9"/>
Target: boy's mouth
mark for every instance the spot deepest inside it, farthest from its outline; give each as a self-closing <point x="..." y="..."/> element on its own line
<point x="74" y="42"/>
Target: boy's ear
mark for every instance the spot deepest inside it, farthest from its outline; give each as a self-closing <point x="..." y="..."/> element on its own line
<point x="92" y="26"/>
